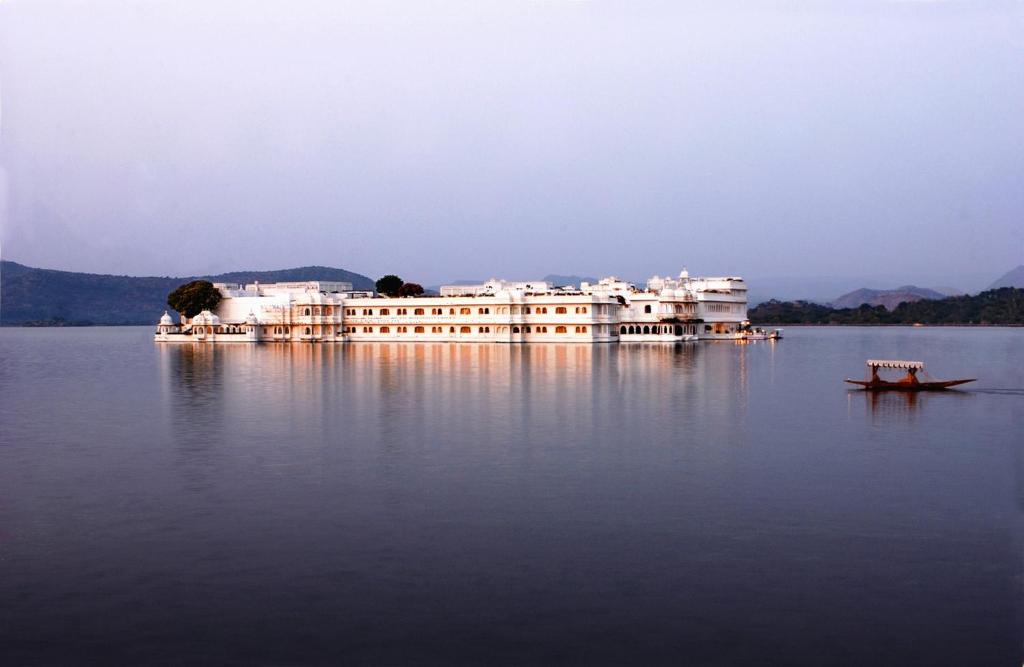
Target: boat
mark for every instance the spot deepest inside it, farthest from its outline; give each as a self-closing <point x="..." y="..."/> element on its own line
<point x="757" y="333"/>
<point x="908" y="382"/>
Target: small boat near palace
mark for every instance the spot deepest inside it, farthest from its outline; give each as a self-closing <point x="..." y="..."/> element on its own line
<point x="909" y="382"/>
<point x="757" y="333"/>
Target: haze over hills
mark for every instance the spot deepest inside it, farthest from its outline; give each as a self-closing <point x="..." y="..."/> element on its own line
<point x="46" y="296"/>
<point x="1012" y="278"/>
<point x="888" y="298"/>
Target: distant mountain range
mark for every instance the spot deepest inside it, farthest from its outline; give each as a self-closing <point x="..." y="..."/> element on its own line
<point x="46" y="297"/>
<point x="999" y="306"/>
<point x="889" y="298"/>
<point x="1013" y="278"/>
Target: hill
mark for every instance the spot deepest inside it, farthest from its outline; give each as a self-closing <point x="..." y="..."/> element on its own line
<point x="999" y="306"/>
<point x="46" y="297"/>
<point x="1012" y="278"/>
<point x="888" y="298"/>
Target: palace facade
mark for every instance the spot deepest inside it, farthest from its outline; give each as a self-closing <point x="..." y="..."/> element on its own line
<point x="609" y="311"/>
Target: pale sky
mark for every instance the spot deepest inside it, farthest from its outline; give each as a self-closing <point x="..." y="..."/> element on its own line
<point x="469" y="139"/>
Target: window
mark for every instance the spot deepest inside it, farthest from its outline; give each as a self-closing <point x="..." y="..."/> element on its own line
<point x="385" y="329"/>
<point x="647" y="330"/>
<point x="581" y="310"/>
<point x="581" y="330"/>
<point x="647" y="309"/>
<point x="316" y="311"/>
<point x="622" y="330"/>
<point x="418" y="330"/>
<point x="308" y="331"/>
<point x="305" y="312"/>
<point x="418" y="311"/>
<point x="515" y="329"/>
<point x="483" y="311"/>
<point x="529" y="330"/>
<point x="559" y="330"/>
<point x="451" y="311"/>
<point x="328" y="311"/>
<point x="465" y="330"/>
<point x="543" y="310"/>
<point x="385" y="311"/>
<point x="561" y="310"/>
<point x="464" y="311"/>
<point x="526" y="310"/>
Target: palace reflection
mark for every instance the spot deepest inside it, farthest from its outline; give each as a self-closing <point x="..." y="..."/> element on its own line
<point x="322" y="395"/>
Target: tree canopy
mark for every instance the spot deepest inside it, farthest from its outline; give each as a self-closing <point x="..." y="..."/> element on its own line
<point x="193" y="298"/>
<point x="410" y="289"/>
<point x="389" y="285"/>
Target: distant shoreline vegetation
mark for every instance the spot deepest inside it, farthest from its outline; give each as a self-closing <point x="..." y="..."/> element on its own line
<point x="996" y="307"/>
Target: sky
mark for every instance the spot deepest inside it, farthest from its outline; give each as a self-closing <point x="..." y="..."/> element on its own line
<point x="447" y="140"/>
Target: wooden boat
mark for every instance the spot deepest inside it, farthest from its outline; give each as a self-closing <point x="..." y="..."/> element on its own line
<point x="908" y="382"/>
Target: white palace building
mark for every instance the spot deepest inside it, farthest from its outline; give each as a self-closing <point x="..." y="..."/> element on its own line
<point x="610" y="311"/>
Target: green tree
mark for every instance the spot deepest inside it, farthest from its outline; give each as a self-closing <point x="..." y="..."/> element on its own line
<point x="389" y="285"/>
<point x="193" y="298"/>
<point x="410" y="289"/>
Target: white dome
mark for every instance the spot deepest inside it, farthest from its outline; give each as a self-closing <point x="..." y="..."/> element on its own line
<point x="251" y="318"/>
<point x="206" y="317"/>
<point x="166" y="319"/>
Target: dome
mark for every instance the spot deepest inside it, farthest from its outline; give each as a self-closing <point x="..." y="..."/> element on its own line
<point x="165" y="319"/>
<point x="251" y="318"/>
<point x="206" y="317"/>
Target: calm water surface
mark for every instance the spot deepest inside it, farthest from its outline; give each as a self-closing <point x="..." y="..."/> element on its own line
<point x="712" y="504"/>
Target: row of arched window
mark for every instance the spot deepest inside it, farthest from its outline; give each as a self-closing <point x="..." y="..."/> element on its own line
<point x="482" y="310"/>
<point x="316" y="311"/>
<point x="656" y="329"/>
<point x="485" y="329"/>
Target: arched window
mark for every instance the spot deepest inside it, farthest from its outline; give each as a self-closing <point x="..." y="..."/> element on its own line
<point x="526" y="310"/>
<point x="515" y="329"/>
<point x="451" y="330"/>
<point x="622" y="330"/>
<point x="451" y="311"/>
<point x="385" y="329"/>
<point x="560" y="310"/>
<point x="308" y="331"/>
<point x="647" y="309"/>
<point x="647" y="330"/>
<point x="418" y="311"/>
<point x="418" y="330"/>
<point x="463" y="311"/>
<point x="305" y="312"/>
<point x="465" y="330"/>
<point x="559" y="329"/>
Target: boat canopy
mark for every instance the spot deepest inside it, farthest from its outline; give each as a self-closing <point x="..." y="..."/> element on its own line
<point x="894" y="363"/>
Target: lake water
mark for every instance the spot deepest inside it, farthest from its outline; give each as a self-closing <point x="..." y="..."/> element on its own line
<point x="710" y="504"/>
